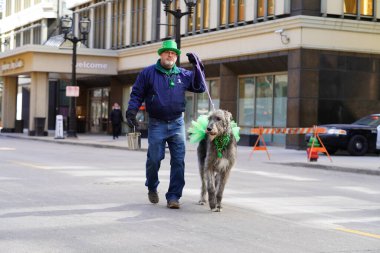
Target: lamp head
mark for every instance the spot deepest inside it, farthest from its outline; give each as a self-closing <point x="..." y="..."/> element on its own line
<point x="84" y="25"/>
<point x="66" y="23"/>
<point x="191" y="3"/>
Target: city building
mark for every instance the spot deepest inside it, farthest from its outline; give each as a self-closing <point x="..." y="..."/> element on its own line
<point x="272" y="63"/>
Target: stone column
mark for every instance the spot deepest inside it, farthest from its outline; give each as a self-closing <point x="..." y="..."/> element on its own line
<point x="39" y="100"/>
<point x="228" y="90"/>
<point x="8" y="113"/>
<point x="303" y="92"/>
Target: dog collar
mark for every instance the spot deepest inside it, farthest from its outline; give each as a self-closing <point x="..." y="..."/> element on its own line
<point x="221" y="143"/>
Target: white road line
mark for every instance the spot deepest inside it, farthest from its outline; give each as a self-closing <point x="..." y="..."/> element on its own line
<point x="358" y="189"/>
<point x="279" y="175"/>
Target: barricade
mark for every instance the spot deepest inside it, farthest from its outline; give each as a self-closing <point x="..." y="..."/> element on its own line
<point x="315" y="130"/>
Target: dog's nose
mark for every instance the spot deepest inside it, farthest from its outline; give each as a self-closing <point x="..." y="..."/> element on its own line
<point x="209" y="129"/>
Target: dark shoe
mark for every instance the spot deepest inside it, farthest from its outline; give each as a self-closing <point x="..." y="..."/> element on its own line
<point x="153" y="197"/>
<point x="173" y="204"/>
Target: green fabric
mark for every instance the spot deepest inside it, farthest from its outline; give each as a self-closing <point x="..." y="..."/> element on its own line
<point x="197" y="130"/>
<point x="169" y="45"/>
<point x="221" y="143"/>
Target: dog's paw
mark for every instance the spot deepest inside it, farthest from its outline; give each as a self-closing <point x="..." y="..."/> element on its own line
<point x="201" y="202"/>
<point x="216" y="210"/>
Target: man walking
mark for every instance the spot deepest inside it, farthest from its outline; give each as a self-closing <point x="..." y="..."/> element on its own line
<point x="162" y="87"/>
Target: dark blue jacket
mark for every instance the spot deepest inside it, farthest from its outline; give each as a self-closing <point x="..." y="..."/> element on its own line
<point x="163" y="93"/>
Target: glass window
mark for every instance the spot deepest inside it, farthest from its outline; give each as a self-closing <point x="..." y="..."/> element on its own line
<point x="223" y="8"/>
<point x="246" y="104"/>
<point x="201" y="14"/>
<point x="366" y="7"/>
<point x="138" y="19"/>
<point x="280" y="106"/>
<point x="351" y="7"/>
<point x="203" y="105"/>
<point x="118" y="23"/>
<point x="261" y="12"/>
<point x="264" y="100"/>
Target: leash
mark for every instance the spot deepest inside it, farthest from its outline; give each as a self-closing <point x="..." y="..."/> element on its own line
<point x="198" y="66"/>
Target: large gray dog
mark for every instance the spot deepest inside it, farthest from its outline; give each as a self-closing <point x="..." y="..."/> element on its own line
<point x="216" y="157"/>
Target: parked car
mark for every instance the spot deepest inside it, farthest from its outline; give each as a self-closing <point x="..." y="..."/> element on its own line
<point x="357" y="138"/>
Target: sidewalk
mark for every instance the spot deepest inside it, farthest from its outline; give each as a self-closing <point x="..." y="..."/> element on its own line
<point x="369" y="164"/>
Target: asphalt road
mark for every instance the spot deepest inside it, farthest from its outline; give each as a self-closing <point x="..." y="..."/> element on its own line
<point x="67" y="198"/>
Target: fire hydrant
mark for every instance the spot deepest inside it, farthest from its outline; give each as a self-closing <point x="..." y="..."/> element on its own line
<point x="314" y="154"/>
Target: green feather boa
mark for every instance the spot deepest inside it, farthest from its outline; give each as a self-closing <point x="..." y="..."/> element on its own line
<point x="197" y="130"/>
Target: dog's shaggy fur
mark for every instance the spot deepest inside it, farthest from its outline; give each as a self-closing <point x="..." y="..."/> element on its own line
<point x="215" y="170"/>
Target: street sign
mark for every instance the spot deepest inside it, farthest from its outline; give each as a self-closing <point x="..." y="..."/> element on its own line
<point x="72" y="91"/>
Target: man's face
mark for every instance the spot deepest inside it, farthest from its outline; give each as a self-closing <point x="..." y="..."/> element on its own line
<point x="168" y="59"/>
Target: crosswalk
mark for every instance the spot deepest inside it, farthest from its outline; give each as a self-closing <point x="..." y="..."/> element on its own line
<point x="336" y="207"/>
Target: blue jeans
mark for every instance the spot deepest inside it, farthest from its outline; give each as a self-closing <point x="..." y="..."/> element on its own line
<point x="161" y="132"/>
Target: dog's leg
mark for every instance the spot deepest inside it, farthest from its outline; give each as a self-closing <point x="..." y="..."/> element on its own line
<point x="202" y="150"/>
<point x="211" y="190"/>
<point x="222" y="180"/>
<point x="202" y="200"/>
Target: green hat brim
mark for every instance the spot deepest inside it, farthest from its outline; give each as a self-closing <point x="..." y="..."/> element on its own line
<point x="161" y="50"/>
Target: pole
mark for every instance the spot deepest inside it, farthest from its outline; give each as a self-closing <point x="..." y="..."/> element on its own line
<point x="73" y="119"/>
<point x="178" y="33"/>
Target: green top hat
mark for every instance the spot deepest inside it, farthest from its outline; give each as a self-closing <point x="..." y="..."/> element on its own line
<point x="169" y="45"/>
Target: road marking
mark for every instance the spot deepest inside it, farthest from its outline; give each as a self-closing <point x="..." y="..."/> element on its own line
<point x="28" y="165"/>
<point x="280" y="176"/>
<point x="357" y="232"/>
<point x="358" y="189"/>
<point x="6" y="149"/>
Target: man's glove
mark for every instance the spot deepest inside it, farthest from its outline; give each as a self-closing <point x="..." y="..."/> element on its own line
<point x="194" y="59"/>
<point x="130" y="115"/>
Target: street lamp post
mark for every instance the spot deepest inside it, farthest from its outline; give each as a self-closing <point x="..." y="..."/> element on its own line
<point x="84" y="29"/>
<point x="178" y="14"/>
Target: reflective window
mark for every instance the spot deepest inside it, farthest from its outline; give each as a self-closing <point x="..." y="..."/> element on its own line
<point x="261" y="11"/>
<point x="364" y="7"/>
<point x="201" y="16"/>
<point x="118" y="23"/>
<point x="138" y="19"/>
<point x="262" y="101"/>
<point x="231" y="10"/>
<point x="203" y="105"/>
<point x="246" y="111"/>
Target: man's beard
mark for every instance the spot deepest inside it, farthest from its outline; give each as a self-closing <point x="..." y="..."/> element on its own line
<point x="167" y="64"/>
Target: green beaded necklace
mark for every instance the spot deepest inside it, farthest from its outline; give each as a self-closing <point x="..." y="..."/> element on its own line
<point x="221" y="143"/>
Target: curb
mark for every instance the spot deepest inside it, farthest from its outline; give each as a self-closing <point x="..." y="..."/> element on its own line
<point x="334" y="168"/>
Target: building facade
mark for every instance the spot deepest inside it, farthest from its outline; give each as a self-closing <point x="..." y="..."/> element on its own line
<point x="280" y="63"/>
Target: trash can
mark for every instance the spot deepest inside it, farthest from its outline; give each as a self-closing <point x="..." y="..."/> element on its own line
<point x="134" y="140"/>
<point x="39" y="126"/>
<point x="19" y="126"/>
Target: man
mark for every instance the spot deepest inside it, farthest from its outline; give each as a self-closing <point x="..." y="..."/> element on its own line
<point x="162" y="87"/>
<point x="116" y="118"/>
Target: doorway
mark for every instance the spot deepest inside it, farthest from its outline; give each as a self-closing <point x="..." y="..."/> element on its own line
<point x="99" y="100"/>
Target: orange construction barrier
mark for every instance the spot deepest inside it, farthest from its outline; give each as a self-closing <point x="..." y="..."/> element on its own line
<point x="305" y="130"/>
<point x="322" y="149"/>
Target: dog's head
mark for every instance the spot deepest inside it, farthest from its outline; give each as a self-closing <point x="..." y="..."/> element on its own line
<point x="219" y="123"/>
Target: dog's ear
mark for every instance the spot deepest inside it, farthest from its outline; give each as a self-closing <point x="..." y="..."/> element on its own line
<point x="228" y="115"/>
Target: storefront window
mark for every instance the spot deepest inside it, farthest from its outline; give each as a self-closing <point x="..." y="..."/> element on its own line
<point x="280" y="106"/>
<point x="203" y="105"/>
<point x="246" y="108"/>
<point x="262" y="101"/>
<point x="99" y="99"/>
